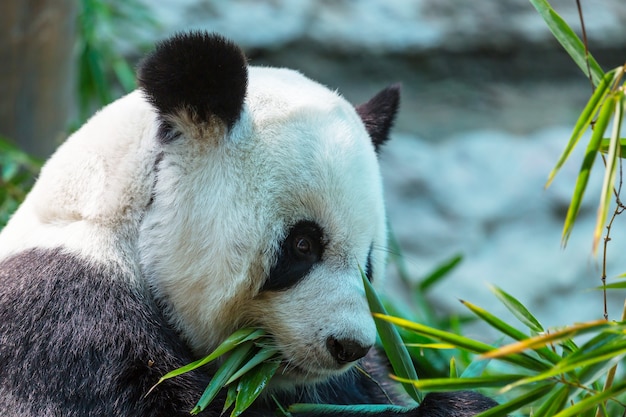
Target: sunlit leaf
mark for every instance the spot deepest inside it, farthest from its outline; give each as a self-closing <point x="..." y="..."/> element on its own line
<point x="453" y="371"/>
<point x="607" y="360"/>
<point x="430" y="345"/>
<point x="463" y="342"/>
<point x="604" y="146"/>
<point x="508" y="330"/>
<point x="548" y="338"/>
<point x="610" y="170"/>
<point x="518" y="309"/>
<point x="585" y="170"/>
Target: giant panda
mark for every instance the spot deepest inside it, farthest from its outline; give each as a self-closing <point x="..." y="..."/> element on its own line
<point x="218" y="195"/>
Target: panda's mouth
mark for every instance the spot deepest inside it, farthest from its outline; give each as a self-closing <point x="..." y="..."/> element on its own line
<point x="291" y="371"/>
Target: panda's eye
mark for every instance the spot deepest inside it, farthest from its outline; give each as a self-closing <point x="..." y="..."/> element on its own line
<point x="305" y="248"/>
<point x="299" y="252"/>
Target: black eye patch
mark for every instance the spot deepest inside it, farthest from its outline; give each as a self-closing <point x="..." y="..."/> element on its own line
<point x="299" y="252"/>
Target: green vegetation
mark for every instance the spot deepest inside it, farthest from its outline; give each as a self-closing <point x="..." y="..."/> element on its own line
<point x="570" y="371"/>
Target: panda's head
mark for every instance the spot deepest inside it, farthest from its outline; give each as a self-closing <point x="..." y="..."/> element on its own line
<point x="267" y="198"/>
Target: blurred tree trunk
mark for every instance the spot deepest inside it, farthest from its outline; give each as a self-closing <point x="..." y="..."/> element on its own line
<point x="37" y="39"/>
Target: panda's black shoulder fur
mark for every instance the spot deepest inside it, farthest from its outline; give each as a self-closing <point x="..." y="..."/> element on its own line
<point x="78" y="338"/>
<point x="199" y="73"/>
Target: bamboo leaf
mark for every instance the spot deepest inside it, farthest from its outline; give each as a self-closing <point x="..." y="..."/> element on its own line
<point x="607" y="360"/>
<point x="585" y="170"/>
<point x="475" y="369"/>
<point x="518" y="309"/>
<point x="431" y="345"/>
<point x="462" y="342"/>
<point x="518" y="402"/>
<point x="568" y="39"/>
<point x="393" y="345"/>
<point x="440" y="272"/>
<point x="261" y="356"/>
<point x="453" y="371"/>
<point x="615" y="286"/>
<point x="554" y="403"/>
<point x="231" y="396"/>
<point x="340" y="410"/>
<point x="584" y="121"/>
<point x="508" y="330"/>
<point x="228" y="368"/>
<point x="545" y="339"/>
<point x="457" y="384"/>
<point x="604" y="146"/>
<point x="610" y="169"/>
<point x="593" y="401"/>
<point x="252" y="384"/>
<point x="227" y="345"/>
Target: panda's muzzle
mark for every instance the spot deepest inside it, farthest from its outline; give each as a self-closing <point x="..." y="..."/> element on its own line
<point x="346" y="350"/>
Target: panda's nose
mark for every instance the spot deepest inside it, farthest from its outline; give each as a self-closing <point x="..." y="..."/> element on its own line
<point x="346" y="350"/>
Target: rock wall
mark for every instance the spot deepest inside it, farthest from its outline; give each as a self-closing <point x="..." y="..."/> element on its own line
<point x="489" y="99"/>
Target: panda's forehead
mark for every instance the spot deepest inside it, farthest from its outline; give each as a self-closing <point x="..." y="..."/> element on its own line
<point x="314" y="157"/>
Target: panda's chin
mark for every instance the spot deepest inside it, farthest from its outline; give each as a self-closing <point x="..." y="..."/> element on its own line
<point x="289" y="375"/>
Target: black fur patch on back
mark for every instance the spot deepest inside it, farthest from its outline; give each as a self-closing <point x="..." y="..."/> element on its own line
<point x="379" y="113"/>
<point x="78" y="339"/>
<point x="200" y="73"/>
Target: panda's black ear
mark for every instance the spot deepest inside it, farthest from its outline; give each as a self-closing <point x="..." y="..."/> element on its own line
<point x="379" y="113"/>
<point x="197" y="73"/>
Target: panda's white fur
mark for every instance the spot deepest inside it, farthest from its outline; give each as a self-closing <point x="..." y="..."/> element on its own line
<point x="196" y="222"/>
<point x="272" y="170"/>
<point x="90" y="195"/>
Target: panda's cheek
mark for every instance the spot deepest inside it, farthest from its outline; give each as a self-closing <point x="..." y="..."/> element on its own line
<point x="321" y="325"/>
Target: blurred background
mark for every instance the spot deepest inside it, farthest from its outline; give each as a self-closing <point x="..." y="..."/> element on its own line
<point x="488" y="102"/>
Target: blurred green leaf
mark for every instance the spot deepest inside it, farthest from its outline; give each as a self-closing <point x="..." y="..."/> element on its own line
<point x="592" y="401"/>
<point x="518" y="402"/>
<point x="441" y="271"/>
<point x="555" y="402"/>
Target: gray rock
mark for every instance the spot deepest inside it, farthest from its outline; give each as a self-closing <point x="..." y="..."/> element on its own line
<point x="386" y="25"/>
